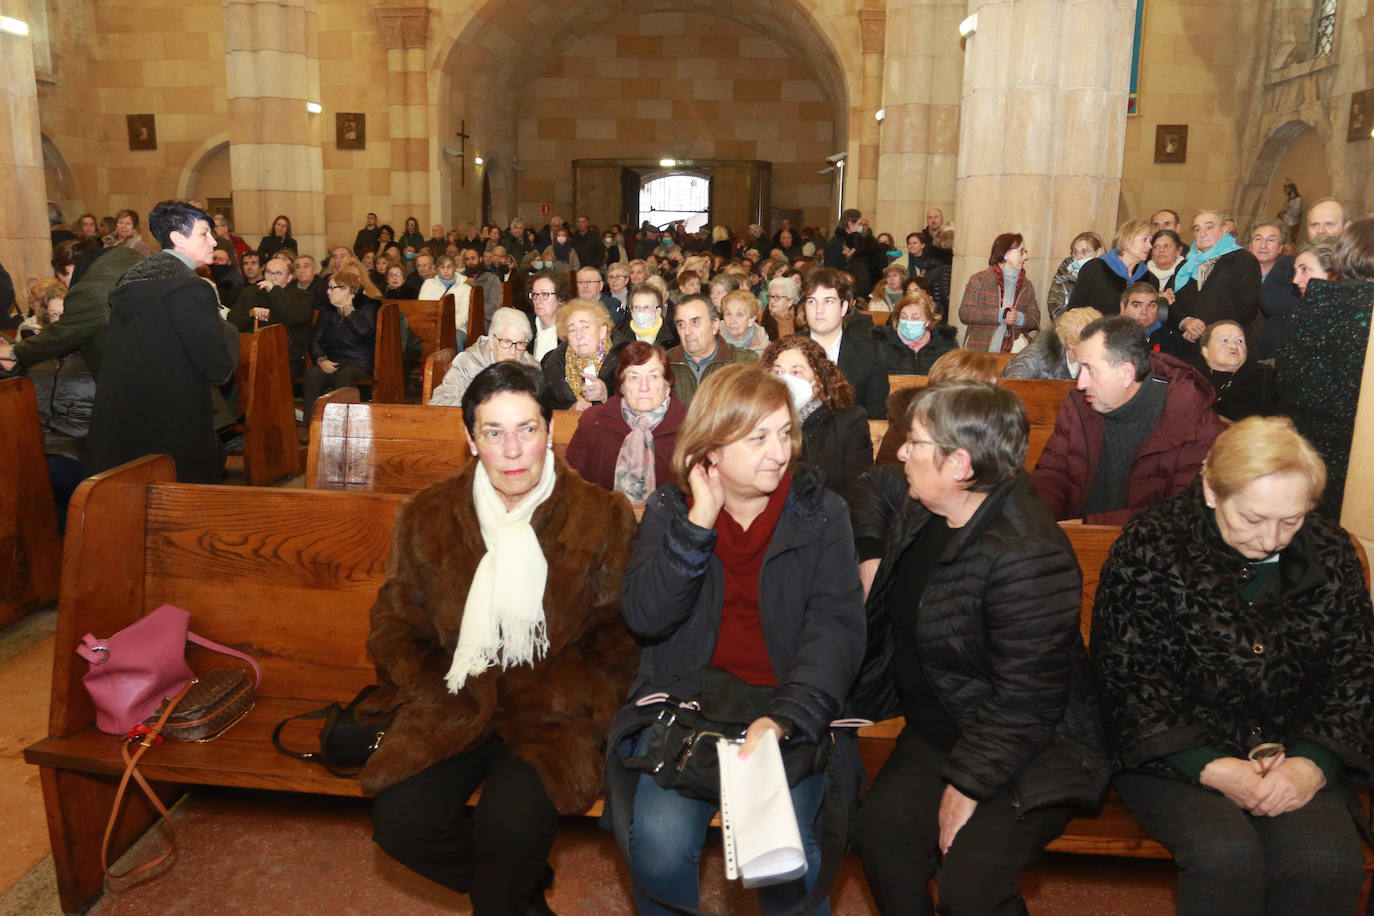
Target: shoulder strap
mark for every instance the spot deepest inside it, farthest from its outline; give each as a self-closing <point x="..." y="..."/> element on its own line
<point x="225" y="650"/>
<point x="131" y="771"/>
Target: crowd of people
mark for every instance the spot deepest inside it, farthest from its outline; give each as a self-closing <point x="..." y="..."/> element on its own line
<point x="725" y="385"/>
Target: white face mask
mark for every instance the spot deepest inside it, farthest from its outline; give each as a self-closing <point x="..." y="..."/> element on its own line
<point x="643" y="320"/>
<point x="799" y="389"/>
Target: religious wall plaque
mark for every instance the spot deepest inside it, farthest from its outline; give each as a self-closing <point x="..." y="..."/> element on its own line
<point x="350" y="130"/>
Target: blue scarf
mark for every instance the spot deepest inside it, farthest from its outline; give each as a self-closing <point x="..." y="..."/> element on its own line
<point x="1113" y="260"/>
<point x="1226" y="245"/>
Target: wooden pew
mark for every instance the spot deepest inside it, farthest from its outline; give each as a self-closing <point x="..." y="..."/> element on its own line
<point x="397" y="448"/>
<point x="30" y="547"/>
<point x="1041" y="397"/>
<point x="431" y="320"/>
<point x="388" y="380"/>
<point x="436" y="367"/>
<point x="233" y="557"/>
<point x="270" y="449"/>
<point x="876" y="430"/>
<point x="477" y="315"/>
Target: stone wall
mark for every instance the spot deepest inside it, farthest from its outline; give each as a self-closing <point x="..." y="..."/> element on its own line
<point x="668" y="85"/>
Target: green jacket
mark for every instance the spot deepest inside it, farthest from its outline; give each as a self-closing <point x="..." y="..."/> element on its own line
<point x="85" y="315"/>
<point x="685" y="382"/>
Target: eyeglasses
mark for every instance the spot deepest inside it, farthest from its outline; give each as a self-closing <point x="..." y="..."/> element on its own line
<point x="779" y="298"/>
<point x="333" y="286"/>
<point x="537" y="296"/>
<point x="525" y="435"/>
<point x="519" y="345"/>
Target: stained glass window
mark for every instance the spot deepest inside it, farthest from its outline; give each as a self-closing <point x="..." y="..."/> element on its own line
<point x="1326" y="27"/>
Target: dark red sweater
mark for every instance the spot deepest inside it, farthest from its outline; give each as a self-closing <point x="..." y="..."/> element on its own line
<point x="740" y="648"/>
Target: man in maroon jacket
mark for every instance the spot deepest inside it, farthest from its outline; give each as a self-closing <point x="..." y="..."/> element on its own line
<point x="1135" y="431"/>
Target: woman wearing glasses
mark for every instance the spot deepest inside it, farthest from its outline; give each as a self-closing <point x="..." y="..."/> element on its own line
<point x="549" y="291"/>
<point x="1233" y="641"/>
<point x="500" y="649"/>
<point x="999" y="307"/>
<point x="344" y="339"/>
<point x="508" y="340"/>
<point x="973" y="635"/>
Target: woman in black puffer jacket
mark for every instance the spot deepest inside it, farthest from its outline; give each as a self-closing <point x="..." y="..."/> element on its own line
<point x="973" y="636"/>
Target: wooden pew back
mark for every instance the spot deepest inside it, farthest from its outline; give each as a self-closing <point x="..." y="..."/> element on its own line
<point x="436" y="367"/>
<point x="397" y="448"/>
<point x="431" y="320"/>
<point x="30" y="548"/>
<point x="270" y="449"/>
<point x="477" y="315"/>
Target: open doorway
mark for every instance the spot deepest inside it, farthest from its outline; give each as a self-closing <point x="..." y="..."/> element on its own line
<point x="678" y="197"/>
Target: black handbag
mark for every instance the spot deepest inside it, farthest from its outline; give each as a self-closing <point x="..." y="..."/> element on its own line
<point x="346" y="743"/>
<point x="681" y="753"/>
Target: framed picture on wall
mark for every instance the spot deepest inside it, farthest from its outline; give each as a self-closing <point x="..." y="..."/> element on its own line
<point x="1171" y="143"/>
<point x="350" y="129"/>
<point x="1361" y="116"/>
<point x="142" y="131"/>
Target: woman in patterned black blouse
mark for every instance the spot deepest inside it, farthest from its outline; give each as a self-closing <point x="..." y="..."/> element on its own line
<point x="1233" y="642"/>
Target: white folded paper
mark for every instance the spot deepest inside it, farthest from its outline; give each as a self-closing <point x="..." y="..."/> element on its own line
<point x="762" y="843"/>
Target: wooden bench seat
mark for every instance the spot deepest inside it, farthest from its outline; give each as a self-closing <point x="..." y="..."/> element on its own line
<point x="30" y="548"/>
<point x="431" y="320"/>
<point x="288" y="576"/>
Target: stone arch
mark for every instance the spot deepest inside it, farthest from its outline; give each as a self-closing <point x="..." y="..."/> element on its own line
<point x="191" y="171"/>
<point x="1250" y="201"/>
<point x="486" y="58"/>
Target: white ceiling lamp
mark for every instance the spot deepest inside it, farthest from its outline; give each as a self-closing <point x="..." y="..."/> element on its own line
<point x="969" y="26"/>
<point x="13" y="26"/>
<point x="667" y="163"/>
<point x="314" y="107"/>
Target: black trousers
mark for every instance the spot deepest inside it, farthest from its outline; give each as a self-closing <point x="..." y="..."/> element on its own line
<point x="1232" y="862"/>
<point x="498" y="853"/>
<point x="317" y="382"/>
<point x="899" y="835"/>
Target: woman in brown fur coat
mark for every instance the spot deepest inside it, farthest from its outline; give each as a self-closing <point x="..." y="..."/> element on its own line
<point x="499" y="643"/>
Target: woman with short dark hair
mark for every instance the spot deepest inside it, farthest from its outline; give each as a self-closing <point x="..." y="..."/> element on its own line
<point x="1233" y="641"/>
<point x="999" y="306"/>
<point x="973" y="635"/>
<point x="343" y="342"/>
<point x="500" y="650"/>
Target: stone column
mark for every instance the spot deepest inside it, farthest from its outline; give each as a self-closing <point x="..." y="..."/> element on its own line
<point x="1357" y="511"/>
<point x="865" y="163"/>
<point x="25" y="245"/>
<point x="405" y="32"/>
<point x="1042" y="129"/>
<point x="275" y="159"/>
<point x="923" y="73"/>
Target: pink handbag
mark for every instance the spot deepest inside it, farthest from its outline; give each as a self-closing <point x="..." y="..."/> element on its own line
<point x="135" y="669"/>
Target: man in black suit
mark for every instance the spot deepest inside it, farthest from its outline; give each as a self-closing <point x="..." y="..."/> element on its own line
<point x="827" y="297"/>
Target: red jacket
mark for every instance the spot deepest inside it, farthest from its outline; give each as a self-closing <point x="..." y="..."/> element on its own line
<point x="595" y="444"/>
<point x="1167" y="463"/>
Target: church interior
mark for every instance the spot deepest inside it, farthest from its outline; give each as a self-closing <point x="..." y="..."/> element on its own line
<point x="1043" y="117"/>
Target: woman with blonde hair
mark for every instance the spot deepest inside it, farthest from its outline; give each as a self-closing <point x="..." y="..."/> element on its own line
<point x="888" y="292"/>
<point x="1102" y="280"/>
<point x="578" y="370"/>
<point x="739" y="312"/>
<point x="1053" y="355"/>
<point x="1233" y="642"/>
<point x="743" y="583"/>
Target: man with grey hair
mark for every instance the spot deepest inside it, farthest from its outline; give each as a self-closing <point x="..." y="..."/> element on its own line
<point x="1219" y="279"/>
<point x="508" y="340"/>
<point x="513" y="240"/>
<point x="702" y="351"/>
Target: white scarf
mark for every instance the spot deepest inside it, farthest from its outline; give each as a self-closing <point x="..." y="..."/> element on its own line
<point x="503" y="620"/>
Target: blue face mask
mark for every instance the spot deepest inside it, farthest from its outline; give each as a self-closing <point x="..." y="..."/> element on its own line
<point x="1079" y="262"/>
<point x="410" y="255"/>
<point x="538" y="265"/>
<point x="911" y="330"/>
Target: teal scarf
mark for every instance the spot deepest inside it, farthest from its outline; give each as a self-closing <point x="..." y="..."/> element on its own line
<point x="1225" y="245"/>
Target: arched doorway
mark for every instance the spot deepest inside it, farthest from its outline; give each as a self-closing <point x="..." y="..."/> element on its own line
<point x="59" y="182"/>
<point x="1294" y="150"/>
<point x="690" y="79"/>
<point x="668" y="197"/>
